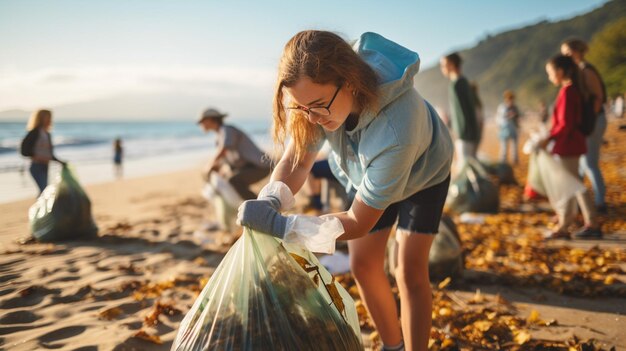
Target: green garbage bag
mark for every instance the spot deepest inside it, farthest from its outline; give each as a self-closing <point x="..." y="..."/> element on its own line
<point x="62" y="211"/>
<point x="266" y="294"/>
<point x="472" y="191"/>
<point x="446" y="257"/>
<point x="446" y="253"/>
<point x="502" y="171"/>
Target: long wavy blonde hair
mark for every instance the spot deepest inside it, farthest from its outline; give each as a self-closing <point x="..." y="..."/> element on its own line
<point x="325" y="58"/>
<point x="38" y="118"/>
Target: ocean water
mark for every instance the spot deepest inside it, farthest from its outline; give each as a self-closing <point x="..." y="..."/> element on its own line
<point x="92" y="142"/>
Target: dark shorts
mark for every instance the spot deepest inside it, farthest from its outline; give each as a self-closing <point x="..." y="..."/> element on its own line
<point x="420" y="213"/>
<point x="321" y="169"/>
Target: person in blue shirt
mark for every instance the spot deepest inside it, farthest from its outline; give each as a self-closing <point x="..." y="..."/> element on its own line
<point x="389" y="149"/>
<point x="507" y="118"/>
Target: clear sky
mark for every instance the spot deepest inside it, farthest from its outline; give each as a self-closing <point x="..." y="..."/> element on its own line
<point x="145" y="59"/>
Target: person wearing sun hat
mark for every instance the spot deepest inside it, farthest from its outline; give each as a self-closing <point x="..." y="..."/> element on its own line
<point x="248" y="163"/>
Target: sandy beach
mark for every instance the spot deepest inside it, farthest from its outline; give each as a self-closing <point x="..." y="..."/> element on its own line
<point x="130" y="288"/>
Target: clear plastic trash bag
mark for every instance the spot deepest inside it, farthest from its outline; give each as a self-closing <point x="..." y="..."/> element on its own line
<point x="555" y="181"/>
<point x="62" y="211"/>
<point x="269" y="295"/>
<point x="224" y="199"/>
<point x="533" y="180"/>
<point x="473" y="191"/>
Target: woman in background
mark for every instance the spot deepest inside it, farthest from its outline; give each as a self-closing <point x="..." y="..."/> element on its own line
<point x="593" y="84"/>
<point x="38" y="143"/>
<point x="568" y="143"/>
<point x="118" y="152"/>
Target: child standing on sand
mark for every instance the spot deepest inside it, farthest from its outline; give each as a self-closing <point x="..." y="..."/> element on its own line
<point x="118" y="152"/>
<point x="507" y="117"/>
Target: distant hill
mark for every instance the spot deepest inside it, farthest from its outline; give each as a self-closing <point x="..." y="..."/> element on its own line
<point x="14" y="116"/>
<point x="516" y="59"/>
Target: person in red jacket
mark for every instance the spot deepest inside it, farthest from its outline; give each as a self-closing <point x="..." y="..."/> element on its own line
<point x="568" y="143"/>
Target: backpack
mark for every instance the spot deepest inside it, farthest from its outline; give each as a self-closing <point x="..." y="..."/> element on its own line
<point x="588" y="121"/>
<point x="27" y="148"/>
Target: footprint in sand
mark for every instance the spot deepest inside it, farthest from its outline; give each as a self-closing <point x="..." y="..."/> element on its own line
<point x="131" y="308"/>
<point x="78" y="295"/>
<point x="6" y="265"/>
<point x="134" y="325"/>
<point x="6" y="291"/>
<point x="8" y="277"/>
<point x="48" y="339"/>
<point x="94" y="307"/>
<point x="52" y="251"/>
<point x="86" y="348"/>
<point x="18" y="302"/>
<point x="69" y="278"/>
<point x="19" y="328"/>
<point x="137" y="259"/>
<point x="19" y="317"/>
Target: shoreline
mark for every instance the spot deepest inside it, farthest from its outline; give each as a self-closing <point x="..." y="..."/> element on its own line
<point x="17" y="186"/>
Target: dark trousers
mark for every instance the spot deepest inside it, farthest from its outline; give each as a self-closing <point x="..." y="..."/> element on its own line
<point x="245" y="176"/>
<point x="39" y="171"/>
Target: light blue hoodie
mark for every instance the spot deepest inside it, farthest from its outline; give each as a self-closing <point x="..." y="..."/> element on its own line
<point x="400" y="148"/>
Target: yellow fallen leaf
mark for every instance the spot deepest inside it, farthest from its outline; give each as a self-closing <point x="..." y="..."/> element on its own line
<point x="445" y="311"/>
<point x="533" y="317"/>
<point x="522" y="337"/>
<point x="110" y="313"/>
<point x="447" y="343"/>
<point x="155" y="339"/>
<point x="483" y="326"/>
<point x="444" y="283"/>
<point x="200" y="261"/>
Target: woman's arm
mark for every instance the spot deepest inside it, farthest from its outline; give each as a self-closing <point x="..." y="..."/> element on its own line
<point x="562" y="121"/>
<point x="358" y="220"/>
<point x="286" y="173"/>
<point x="214" y="163"/>
<point x="54" y="157"/>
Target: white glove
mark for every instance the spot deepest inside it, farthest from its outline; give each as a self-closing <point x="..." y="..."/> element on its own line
<point x="280" y="191"/>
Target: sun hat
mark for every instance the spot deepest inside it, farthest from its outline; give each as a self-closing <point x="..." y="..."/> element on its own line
<point x="211" y="113"/>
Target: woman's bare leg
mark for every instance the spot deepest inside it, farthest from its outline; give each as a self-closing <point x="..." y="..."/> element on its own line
<point x="367" y="259"/>
<point x="414" y="287"/>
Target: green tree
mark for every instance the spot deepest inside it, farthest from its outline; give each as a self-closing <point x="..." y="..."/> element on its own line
<point x="516" y="59"/>
<point x="607" y="51"/>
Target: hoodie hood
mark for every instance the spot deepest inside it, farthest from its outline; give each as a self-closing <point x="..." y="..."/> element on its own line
<point x="394" y="65"/>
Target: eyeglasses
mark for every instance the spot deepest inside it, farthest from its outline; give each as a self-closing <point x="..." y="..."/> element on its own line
<point x="319" y="110"/>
